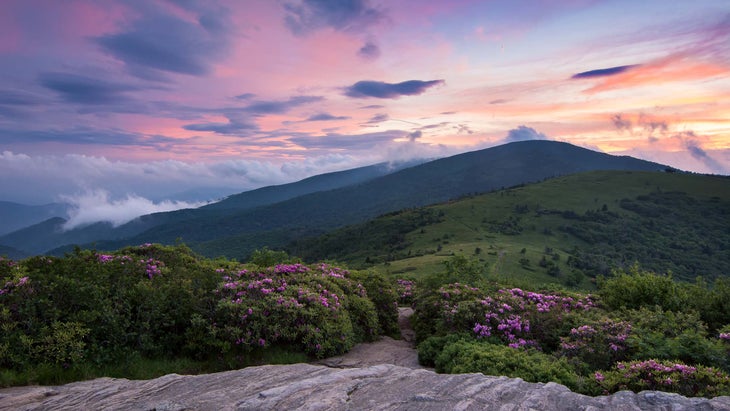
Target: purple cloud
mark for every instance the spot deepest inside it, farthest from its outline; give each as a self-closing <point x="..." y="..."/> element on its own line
<point x="347" y="141"/>
<point x="524" y="133"/>
<point x="621" y="123"/>
<point x="344" y="15"/>
<point x="369" y="51"/>
<point x="85" y="136"/>
<point x="232" y="127"/>
<point x="378" y="118"/>
<point x="379" y="89"/>
<point x="85" y="90"/>
<point x="279" y="107"/>
<point x="161" y="42"/>
<point x="326" y="117"/>
<point x="603" y="72"/>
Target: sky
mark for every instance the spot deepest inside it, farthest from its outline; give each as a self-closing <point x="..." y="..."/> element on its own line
<point x="170" y="103"/>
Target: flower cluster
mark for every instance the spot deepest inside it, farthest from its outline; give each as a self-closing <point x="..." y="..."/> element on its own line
<point x="290" y="269"/>
<point x="292" y="304"/>
<point x="665" y="376"/>
<point x="152" y="267"/>
<point x="611" y="335"/>
<point x="404" y="288"/>
<point x="724" y="336"/>
<point x="8" y="262"/>
<point x="509" y="312"/>
<point x="10" y="285"/>
<point x="549" y="302"/>
<point x="598" y="344"/>
<point x="336" y="272"/>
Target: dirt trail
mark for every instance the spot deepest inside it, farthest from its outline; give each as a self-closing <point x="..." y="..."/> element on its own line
<point x="384" y="351"/>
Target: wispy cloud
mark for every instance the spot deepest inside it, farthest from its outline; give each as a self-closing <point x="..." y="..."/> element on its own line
<point x="612" y="71"/>
<point x="673" y="68"/>
<point x="279" y="106"/>
<point x="380" y="89"/>
<point x="378" y="118"/>
<point x="662" y="135"/>
<point x="326" y="117"/>
<point x="369" y="51"/>
<point x="85" y="136"/>
<point x="306" y="16"/>
<point x="232" y="127"/>
<point x="79" y="89"/>
<point x="348" y="141"/>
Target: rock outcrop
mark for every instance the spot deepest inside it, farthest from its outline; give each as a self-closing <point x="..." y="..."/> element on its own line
<point x="317" y="387"/>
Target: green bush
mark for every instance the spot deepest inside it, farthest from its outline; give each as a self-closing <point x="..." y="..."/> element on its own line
<point x="464" y="356"/>
<point x="668" y="335"/>
<point x="383" y="295"/>
<point x="664" y="376"/>
<point x="88" y="312"/>
<point x="635" y="289"/>
<point x="596" y="344"/>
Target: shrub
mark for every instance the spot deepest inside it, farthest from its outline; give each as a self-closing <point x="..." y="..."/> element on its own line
<point x="664" y="376"/>
<point x="636" y="289"/>
<point x="464" y="356"/>
<point x="90" y="311"/>
<point x="597" y="344"/>
<point x="321" y="310"/>
<point x="668" y="335"/>
<point x="383" y="295"/>
<point x="406" y="291"/>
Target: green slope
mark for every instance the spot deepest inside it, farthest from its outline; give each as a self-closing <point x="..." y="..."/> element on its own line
<point x="567" y="230"/>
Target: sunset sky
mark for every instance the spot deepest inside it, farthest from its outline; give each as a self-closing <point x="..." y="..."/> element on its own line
<point x="112" y="101"/>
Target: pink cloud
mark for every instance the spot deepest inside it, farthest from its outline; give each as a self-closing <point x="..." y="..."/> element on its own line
<point x="674" y="68"/>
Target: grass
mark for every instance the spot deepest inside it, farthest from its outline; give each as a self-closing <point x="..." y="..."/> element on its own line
<point x="505" y="232"/>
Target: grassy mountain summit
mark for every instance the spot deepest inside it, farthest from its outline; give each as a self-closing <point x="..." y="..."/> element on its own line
<point x="568" y="229"/>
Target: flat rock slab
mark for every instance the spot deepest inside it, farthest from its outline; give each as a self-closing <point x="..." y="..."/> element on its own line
<point x="317" y="387"/>
<point x="384" y="351"/>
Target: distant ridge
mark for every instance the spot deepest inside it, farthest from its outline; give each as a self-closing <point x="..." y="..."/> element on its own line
<point x="16" y="216"/>
<point x="230" y="228"/>
<point x="43" y="234"/>
<point x="428" y="183"/>
<point x="322" y="182"/>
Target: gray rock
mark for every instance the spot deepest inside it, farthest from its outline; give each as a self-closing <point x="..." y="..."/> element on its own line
<point x="317" y="387"/>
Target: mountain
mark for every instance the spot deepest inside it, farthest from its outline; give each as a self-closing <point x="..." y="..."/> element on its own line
<point x="16" y="216"/>
<point x="236" y="233"/>
<point x="47" y="234"/>
<point x="322" y="182"/>
<point x="565" y="230"/>
<point x="12" y="253"/>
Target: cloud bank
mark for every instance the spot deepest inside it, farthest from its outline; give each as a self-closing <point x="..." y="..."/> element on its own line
<point x="97" y="206"/>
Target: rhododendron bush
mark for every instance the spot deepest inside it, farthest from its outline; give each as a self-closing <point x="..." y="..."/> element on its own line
<point x="573" y="338"/>
<point x="319" y="310"/>
<point x="164" y="302"/>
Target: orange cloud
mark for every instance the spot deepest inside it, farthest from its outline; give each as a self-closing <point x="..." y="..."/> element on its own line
<point x="673" y="68"/>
